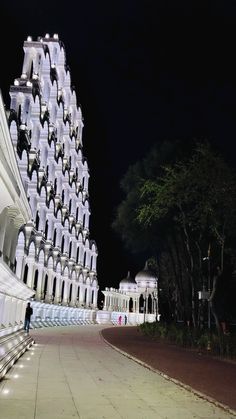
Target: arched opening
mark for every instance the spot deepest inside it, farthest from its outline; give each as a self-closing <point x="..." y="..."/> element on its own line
<point x="70" y="203"/>
<point x="54" y="237"/>
<point x="70" y="293"/>
<point x="25" y="274"/>
<point x="77" y="214"/>
<point x="92" y="297"/>
<point x="62" y="244"/>
<point x="55" y="186"/>
<point x="54" y="287"/>
<point x="37" y="220"/>
<point x="62" y="290"/>
<point x="141" y="304"/>
<point x="36" y="274"/>
<point x="84" y="259"/>
<point x="63" y="196"/>
<point x="31" y="70"/>
<point x="19" y="114"/>
<point x="70" y="249"/>
<point x="85" y="295"/>
<point x="78" y="292"/>
<point x="149" y="304"/>
<point x="91" y="263"/>
<point x="46" y="230"/>
<point x="83" y="220"/>
<point x="131" y="305"/>
<point x="77" y="255"/>
<point x="45" y="286"/>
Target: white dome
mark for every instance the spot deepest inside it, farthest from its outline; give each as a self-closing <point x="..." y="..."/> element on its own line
<point x="128" y="284"/>
<point x="146" y="277"/>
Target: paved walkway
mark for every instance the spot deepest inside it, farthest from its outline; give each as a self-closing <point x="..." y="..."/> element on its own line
<point x="209" y="376"/>
<point x="71" y="372"/>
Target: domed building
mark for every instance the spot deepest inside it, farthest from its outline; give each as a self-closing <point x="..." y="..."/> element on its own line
<point x="136" y="298"/>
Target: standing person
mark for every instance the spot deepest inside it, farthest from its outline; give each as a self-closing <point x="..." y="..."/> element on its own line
<point x="119" y="320"/>
<point x="125" y="319"/>
<point x="28" y="314"/>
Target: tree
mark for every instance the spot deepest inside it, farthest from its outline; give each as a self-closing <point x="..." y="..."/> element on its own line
<point x="199" y="195"/>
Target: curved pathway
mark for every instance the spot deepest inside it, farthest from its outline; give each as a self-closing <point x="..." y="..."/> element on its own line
<point x="71" y="372"/>
<point x="211" y="377"/>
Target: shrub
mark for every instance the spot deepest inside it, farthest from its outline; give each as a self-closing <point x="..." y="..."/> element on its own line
<point x="223" y="345"/>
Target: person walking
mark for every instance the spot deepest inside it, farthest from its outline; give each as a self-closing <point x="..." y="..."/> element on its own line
<point x="28" y="314"/>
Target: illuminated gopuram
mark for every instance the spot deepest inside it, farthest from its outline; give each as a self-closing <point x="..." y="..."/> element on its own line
<point x="55" y="256"/>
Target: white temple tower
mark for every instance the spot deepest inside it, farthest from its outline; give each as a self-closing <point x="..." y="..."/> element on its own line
<point x="55" y="256"/>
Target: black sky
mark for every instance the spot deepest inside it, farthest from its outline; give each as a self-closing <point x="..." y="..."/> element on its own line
<point x="144" y="71"/>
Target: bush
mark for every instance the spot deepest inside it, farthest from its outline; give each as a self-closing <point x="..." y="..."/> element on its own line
<point x="223" y="345"/>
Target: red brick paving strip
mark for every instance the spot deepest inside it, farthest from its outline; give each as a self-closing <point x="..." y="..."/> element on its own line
<point x="211" y="376"/>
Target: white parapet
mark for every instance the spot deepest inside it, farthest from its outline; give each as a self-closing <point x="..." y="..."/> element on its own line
<point x="103" y="317"/>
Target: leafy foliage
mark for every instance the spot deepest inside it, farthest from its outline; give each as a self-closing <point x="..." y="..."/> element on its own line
<point x="180" y="207"/>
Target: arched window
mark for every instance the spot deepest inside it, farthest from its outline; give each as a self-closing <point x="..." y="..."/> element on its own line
<point x="91" y="263"/>
<point x="84" y="221"/>
<point x="55" y="186"/>
<point x="70" y="206"/>
<point x="85" y="295"/>
<point x="84" y="259"/>
<point x="78" y="291"/>
<point x="63" y="196"/>
<point x="92" y="297"/>
<point x="77" y="256"/>
<point x="77" y="214"/>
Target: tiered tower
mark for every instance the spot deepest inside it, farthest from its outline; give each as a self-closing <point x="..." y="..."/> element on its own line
<point x="55" y="255"/>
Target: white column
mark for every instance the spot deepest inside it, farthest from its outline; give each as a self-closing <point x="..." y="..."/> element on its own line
<point x="30" y="262"/>
<point x="40" y="282"/>
<point x="19" y="265"/>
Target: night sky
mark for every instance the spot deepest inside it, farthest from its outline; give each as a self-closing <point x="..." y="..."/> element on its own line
<point x="144" y="71"/>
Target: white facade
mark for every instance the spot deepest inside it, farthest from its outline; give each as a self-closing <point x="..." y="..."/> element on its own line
<point x="55" y="256"/>
<point x="14" y="212"/>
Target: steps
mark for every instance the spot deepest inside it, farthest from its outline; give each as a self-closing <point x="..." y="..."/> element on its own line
<point x="12" y="346"/>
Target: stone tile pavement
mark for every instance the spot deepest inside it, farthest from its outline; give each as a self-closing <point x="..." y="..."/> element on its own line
<point x="71" y="372"/>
